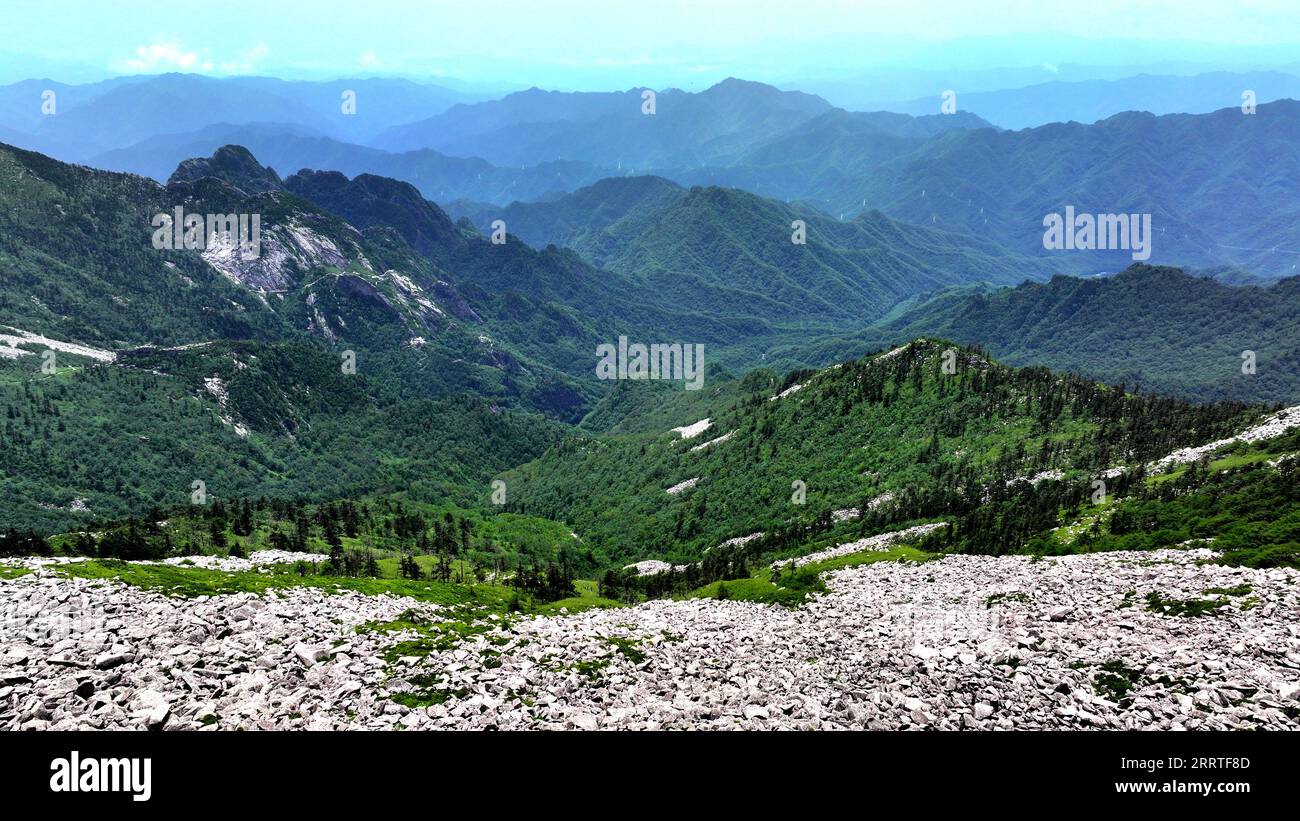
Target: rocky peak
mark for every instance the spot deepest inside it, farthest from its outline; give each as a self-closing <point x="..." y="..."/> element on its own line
<point x="232" y="164"/>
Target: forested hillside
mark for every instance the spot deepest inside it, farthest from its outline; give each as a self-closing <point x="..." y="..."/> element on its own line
<point x="97" y="441"/>
<point x="891" y="434"/>
<point x="1152" y="328"/>
<point x="733" y="251"/>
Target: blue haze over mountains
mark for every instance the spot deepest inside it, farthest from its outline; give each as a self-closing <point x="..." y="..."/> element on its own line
<point x="688" y="211"/>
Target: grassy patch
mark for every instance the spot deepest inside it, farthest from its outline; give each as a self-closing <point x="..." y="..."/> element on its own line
<point x="1115" y="681"/>
<point x="752" y="590"/>
<point x="593" y="669"/>
<point x="629" y="648"/>
<point x="188" y="582"/>
<point x="1003" y="598"/>
<point x="1183" y="608"/>
<point x="7" y="572"/>
<point x="574" y="604"/>
<point x="897" y="554"/>
<point x="1273" y="555"/>
<point x="588" y="598"/>
<point x="1228" y="462"/>
<point x="793" y="586"/>
<point x="1239" y="590"/>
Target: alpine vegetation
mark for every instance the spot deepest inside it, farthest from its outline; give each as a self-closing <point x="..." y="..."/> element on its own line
<point x="661" y="361"/>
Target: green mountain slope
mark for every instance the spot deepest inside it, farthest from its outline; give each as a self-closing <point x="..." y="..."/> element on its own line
<point x="741" y="243"/>
<point x="336" y="360"/>
<point x="733" y="251"/>
<point x="75" y="249"/>
<point x="578" y="218"/>
<point x="892" y="428"/>
<point x="93" y="277"/>
<point x="95" y="441"/>
<point x="1156" y="328"/>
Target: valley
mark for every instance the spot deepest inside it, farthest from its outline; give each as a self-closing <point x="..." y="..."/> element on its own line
<point x="707" y="394"/>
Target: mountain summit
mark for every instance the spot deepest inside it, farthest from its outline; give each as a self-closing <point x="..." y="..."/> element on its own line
<point x="233" y="164"/>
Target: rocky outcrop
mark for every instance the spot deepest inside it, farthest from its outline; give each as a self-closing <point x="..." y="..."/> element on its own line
<point x="965" y="642"/>
<point x="232" y="164"/>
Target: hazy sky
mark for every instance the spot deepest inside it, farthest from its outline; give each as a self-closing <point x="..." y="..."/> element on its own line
<point x="611" y="44"/>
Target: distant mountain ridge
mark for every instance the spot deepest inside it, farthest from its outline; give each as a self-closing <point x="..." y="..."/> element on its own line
<point x="1089" y="101"/>
<point x="438" y="176"/>
<point x="1152" y="328"/>
<point x="613" y="130"/>
<point x="1221" y="188"/>
<point x="536" y="144"/>
<point x="97" y="117"/>
<point x="712" y="244"/>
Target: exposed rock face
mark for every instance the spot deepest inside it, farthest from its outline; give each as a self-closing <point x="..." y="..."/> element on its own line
<point x="10" y="342"/>
<point x="653" y="567"/>
<point x="716" y="441"/>
<point x="965" y="642"/>
<point x="283" y="249"/>
<point x="694" y="429"/>
<point x="257" y="560"/>
<point x="447" y="294"/>
<point x="682" y="486"/>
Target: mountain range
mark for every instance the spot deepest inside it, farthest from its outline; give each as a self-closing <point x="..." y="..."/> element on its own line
<point x="1155" y="329"/>
<point x="782" y="233"/>
<point x="87" y="120"/>
<point x="1219" y="186"/>
<point x="1087" y="101"/>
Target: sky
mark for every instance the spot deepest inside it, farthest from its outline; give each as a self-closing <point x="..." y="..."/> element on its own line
<point x="608" y="44"/>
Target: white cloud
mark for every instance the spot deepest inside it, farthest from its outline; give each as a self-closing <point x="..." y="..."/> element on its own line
<point x="167" y="55"/>
<point x="369" y="59"/>
<point x="172" y="55"/>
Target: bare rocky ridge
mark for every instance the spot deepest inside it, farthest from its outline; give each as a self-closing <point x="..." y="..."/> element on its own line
<point x="964" y="642"/>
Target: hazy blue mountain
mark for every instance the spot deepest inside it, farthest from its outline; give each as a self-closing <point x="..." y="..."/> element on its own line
<point x="825" y="159"/>
<point x="741" y="134"/>
<point x="1222" y="188"/>
<point x="21" y="102"/>
<point x="686" y="130"/>
<point x="117" y="113"/>
<point x="1091" y="100"/>
<point x="533" y="106"/>
<point x="291" y="148"/>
